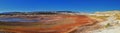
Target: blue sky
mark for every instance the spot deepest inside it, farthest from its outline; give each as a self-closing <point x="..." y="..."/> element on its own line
<point x="59" y="5"/>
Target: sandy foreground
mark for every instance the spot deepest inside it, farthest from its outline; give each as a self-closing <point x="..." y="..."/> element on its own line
<point x="111" y="25"/>
<point x="115" y="29"/>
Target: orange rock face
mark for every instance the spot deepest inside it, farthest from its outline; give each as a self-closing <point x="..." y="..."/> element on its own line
<point x="56" y="24"/>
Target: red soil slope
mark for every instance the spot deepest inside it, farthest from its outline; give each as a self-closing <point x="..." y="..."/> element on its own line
<point x="67" y="26"/>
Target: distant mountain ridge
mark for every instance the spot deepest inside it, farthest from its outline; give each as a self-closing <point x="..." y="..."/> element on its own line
<point x="30" y="13"/>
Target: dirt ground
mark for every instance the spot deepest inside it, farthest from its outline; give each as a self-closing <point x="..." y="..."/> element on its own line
<point x="50" y="24"/>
